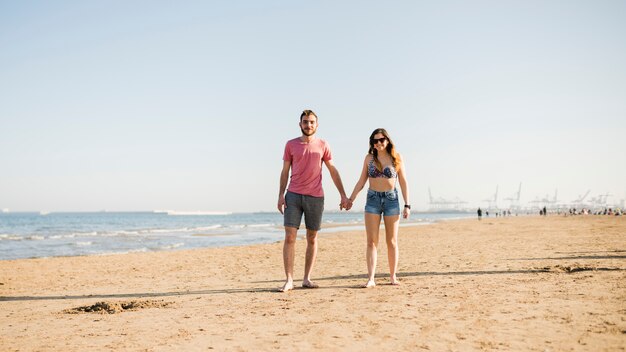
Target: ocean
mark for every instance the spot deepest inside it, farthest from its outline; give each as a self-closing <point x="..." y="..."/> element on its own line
<point x="37" y="235"/>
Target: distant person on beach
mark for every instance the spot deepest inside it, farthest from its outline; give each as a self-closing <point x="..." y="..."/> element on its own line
<point x="480" y="214"/>
<point x="304" y="157"/>
<point x="383" y="167"/>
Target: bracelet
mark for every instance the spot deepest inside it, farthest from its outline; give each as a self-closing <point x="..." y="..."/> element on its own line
<point x="407" y="206"/>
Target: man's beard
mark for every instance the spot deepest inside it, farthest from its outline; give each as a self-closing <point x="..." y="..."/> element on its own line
<point x="307" y="134"/>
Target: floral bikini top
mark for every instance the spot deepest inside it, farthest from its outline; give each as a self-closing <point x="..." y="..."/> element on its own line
<point x="388" y="172"/>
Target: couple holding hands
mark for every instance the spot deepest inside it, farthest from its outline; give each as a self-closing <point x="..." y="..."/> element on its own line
<point x="382" y="168"/>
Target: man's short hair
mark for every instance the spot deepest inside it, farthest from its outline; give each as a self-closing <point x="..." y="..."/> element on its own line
<point x="307" y="113"/>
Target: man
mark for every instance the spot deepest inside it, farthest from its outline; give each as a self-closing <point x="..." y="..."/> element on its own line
<point x="304" y="157"/>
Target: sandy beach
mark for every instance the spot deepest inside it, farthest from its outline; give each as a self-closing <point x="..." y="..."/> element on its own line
<point x="512" y="284"/>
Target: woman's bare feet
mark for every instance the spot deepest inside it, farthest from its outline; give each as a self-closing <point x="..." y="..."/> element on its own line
<point x="394" y="281"/>
<point x="288" y="286"/>
<point x="309" y="284"/>
<point x="369" y="284"/>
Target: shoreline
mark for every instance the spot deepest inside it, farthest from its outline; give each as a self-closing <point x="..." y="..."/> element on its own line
<point x="515" y="283"/>
<point x="100" y="243"/>
<point x="333" y="229"/>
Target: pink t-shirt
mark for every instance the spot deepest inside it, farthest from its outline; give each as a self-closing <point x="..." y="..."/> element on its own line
<point x="306" y="165"/>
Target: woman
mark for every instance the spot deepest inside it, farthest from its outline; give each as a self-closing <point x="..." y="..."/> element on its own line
<point x="382" y="166"/>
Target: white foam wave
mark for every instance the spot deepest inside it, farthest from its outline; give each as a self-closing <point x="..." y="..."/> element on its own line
<point x="9" y="237"/>
<point x="73" y="235"/>
<point x="35" y="238"/>
<point x="178" y="230"/>
<point x="185" y="213"/>
<point x="120" y="233"/>
<point x="261" y="225"/>
<point x="204" y="228"/>
<point x="81" y="234"/>
<point x="84" y="244"/>
<point x="138" y="250"/>
<point x="172" y="246"/>
<point x="149" y="231"/>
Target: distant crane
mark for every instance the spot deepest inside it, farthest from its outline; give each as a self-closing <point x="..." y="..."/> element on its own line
<point x="545" y="200"/>
<point x="514" y="199"/>
<point x="442" y="204"/>
<point x="555" y="200"/>
<point x="579" y="202"/>
<point x="492" y="201"/>
<point x="600" y="201"/>
<point x="580" y="198"/>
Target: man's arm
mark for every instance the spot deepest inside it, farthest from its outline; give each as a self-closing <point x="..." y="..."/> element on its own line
<point x="334" y="174"/>
<point x="284" y="177"/>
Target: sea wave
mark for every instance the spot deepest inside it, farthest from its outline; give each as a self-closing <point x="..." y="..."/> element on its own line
<point x="9" y="237"/>
<point x="181" y="229"/>
<point x="260" y="225"/>
<point x="199" y="212"/>
<point x="172" y="246"/>
<point x="35" y="238"/>
<point x="149" y="231"/>
<point x="74" y="235"/>
<point x="204" y="228"/>
<point x="138" y="250"/>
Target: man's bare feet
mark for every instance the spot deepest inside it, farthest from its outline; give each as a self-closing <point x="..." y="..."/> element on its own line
<point x="309" y="284"/>
<point x="288" y="286"/>
<point x="394" y="281"/>
<point x="369" y="284"/>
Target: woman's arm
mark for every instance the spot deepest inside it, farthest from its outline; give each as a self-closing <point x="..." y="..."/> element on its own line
<point x="404" y="187"/>
<point x="361" y="182"/>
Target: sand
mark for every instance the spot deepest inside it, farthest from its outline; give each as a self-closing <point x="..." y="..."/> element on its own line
<point x="512" y="284"/>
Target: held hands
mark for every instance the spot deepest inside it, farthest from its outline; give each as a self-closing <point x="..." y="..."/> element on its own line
<point x="346" y="203"/>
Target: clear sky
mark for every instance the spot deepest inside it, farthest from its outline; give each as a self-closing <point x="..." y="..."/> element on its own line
<point x="141" y="105"/>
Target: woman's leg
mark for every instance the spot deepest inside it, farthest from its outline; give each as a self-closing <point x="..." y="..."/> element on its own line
<point x="391" y="230"/>
<point x="372" y="227"/>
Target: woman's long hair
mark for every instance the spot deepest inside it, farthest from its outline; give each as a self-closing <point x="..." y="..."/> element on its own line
<point x="390" y="149"/>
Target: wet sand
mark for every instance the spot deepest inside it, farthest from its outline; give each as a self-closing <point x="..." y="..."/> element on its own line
<point x="518" y="283"/>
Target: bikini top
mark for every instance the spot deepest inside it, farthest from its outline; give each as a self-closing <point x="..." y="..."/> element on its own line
<point x="388" y="172"/>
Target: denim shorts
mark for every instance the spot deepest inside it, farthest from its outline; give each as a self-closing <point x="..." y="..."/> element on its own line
<point x="298" y="204"/>
<point x="385" y="203"/>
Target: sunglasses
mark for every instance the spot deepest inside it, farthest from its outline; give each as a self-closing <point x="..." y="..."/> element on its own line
<point x="377" y="140"/>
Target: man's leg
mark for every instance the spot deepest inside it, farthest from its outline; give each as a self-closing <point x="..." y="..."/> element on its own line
<point x="289" y="253"/>
<point x="313" y="209"/>
<point x="311" y="253"/>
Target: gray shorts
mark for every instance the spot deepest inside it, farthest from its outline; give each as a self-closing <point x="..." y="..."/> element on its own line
<point x="311" y="207"/>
